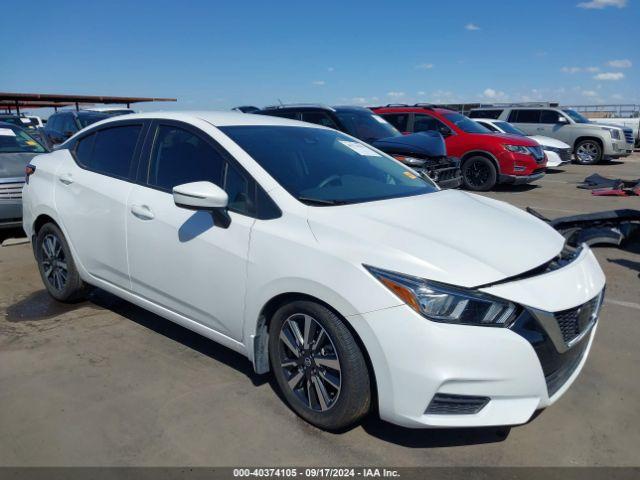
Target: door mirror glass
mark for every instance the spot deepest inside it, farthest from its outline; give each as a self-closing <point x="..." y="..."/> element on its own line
<point x="562" y="120"/>
<point x="200" y="196"/>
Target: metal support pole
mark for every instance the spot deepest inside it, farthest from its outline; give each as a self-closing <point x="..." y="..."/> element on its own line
<point x="77" y="107"/>
<point x="17" y="108"/>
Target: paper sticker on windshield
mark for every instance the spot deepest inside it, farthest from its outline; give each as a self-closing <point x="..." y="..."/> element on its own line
<point x="360" y="149"/>
<point x="31" y="143"/>
<point x="25" y="120"/>
<point x="380" y="119"/>
<point x="6" y="132"/>
<point x="410" y="175"/>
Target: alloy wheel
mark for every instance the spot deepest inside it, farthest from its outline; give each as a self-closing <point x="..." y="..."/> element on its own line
<point x="54" y="263"/>
<point x="309" y="361"/>
<point x="477" y="173"/>
<point x="588" y="151"/>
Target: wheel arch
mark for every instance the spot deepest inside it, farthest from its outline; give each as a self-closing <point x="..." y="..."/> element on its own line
<point x="588" y="137"/>
<point x="260" y="350"/>
<point x="481" y="153"/>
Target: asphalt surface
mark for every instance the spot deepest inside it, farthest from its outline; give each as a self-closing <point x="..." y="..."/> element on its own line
<point x="106" y="383"/>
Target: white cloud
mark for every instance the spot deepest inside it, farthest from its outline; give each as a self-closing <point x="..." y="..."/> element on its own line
<point x="617" y="96"/>
<point x="592" y="69"/>
<point x="620" y="63"/>
<point x="318" y="82"/>
<point x="425" y="66"/>
<point x="421" y="93"/>
<point x="610" y="76"/>
<point x="589" y="93"/>
<point x="472" y="26"/>
<point x="360" y="100"/>
<point x="493" y="94"/>
<point x="600" y="4"/>
<point x="571" y="69"/>
<point x="395" y="94"/>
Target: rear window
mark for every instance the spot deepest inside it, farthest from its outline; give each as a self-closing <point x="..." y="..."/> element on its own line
<point x="487" y="113"/>
<point x="86" y="119"/>
<point x="14" y="140"/>
<point x="524" y="116"/>
<point x="109" y="151"/>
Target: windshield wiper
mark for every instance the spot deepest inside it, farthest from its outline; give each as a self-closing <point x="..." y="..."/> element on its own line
<point x="320" y="201"/>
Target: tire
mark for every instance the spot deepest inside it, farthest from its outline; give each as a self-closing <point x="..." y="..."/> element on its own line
<point x="479" y="174"/>
<point x="57" y="268"/>
<point x="588" y="152"/>
<point x="330" y="381"/>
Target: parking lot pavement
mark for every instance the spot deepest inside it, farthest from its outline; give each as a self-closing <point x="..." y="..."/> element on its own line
<point x="106" y="383"/>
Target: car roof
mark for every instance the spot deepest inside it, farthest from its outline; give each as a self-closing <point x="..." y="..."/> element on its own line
<point x="7" y="125"/>
<point x="215" y="118"/>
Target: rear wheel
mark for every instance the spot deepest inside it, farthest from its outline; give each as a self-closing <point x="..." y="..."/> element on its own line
<point x="588" y="152"/>
<point x="318" y="365"/>
<point x="479" y="174"/>
<point x="55" y="263"/>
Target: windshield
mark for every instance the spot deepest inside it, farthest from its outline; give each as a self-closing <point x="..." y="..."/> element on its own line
<point x="325" y="167"/>
<point x="87" y="119"/>
<point x="465" y="123"/>
<point x="15" y="140"/>
<point x="576" y="117"/>
<point x="23" y="122"/>
<point x="367" y="126"/>
<point x="506" y="127"/>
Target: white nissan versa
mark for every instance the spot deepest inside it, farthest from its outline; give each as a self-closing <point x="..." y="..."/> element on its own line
<point x="342" y="271"/>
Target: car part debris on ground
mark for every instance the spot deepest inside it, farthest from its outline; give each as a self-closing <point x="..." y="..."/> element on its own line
<point x="616" y="187"/>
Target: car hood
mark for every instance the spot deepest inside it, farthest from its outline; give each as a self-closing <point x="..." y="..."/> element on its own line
<point x="447" y="236"/>
<point x="12" y="164"/>
<point x="506" y="138"/>
<point x="423" y="144"/>
<point x="549" y="142"/>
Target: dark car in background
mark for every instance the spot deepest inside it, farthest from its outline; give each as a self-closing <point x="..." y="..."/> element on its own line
<point x="64" y="124"/>
<point x="31" y="125"/>
<point x="17" y="148"/>
<point x="424" y="152"/>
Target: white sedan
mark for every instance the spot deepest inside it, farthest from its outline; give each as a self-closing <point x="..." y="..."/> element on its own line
<point x="354" y="280"/>
<point x="558" y="153"/>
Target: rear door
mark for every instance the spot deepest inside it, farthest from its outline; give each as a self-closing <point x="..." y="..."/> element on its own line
<point x="91" y="190"/>
<point x="183" y="260"/>
<point x="526" y="119"/>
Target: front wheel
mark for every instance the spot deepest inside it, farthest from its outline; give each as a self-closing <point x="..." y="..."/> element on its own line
<point x="479" y="174"/>
<point x="588" y="152"/>
<point x="55" y="263"/>
<point x="318" y="365"/>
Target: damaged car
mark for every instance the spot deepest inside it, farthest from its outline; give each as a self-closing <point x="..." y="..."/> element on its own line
<point x="324" y="261"/>
<point x="425" y="153"/>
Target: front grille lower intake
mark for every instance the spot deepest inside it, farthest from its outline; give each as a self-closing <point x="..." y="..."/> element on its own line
<point x="445" y="404"/>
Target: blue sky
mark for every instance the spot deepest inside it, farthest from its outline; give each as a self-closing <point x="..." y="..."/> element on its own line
<point x="219" y="54"/>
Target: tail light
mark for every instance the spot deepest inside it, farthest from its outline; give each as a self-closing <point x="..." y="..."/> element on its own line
<point x="28" y="171"/>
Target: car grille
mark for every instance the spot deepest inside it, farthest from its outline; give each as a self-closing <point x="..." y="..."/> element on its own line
<point x="538" y="153"/>
<point x="628" y="135"/>
<point x="574" y="321"/>
<point x="11" y="191"/>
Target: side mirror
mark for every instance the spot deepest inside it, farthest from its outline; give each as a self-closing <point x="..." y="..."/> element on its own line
<point x="200" y="196"/>
<point x="562" y="121"/>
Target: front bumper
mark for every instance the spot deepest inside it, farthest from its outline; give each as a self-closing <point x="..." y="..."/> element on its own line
<point x="619" y="149"/>
<point x="555" y="159"/>
<point x="522" y="179"/>
<point x="414" y="359"/>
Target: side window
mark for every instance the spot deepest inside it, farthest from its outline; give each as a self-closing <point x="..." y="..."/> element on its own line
<point x="493" y="114"/>
<point x="84" y="149"/>
<point x="425" y="123"/>
<point x="319" y="118"/>
<point x="112" y="151"/>
<point x="180" y="156"/>
<point x="289" y="114"/>
<point x="526" y="116"/>
<point x="238" y="189"/>
<point x="68" y="124"/>
<point x="398" y="120"/>
<point x="53" y="123"/>
<point x="550" y="116"/>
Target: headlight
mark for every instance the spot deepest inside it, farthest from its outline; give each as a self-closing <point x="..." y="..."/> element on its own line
<point x="411" y="161"/>
<point x="518" y="149"/>
<point x="615" y="133"/>
<point x="445" y="303"/>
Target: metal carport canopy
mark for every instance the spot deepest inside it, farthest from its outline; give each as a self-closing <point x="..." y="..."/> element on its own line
<point x="30" y="100"/>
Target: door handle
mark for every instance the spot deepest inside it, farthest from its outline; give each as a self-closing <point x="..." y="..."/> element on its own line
<point x="66" y="179"/>
<point x="142" y="212"/>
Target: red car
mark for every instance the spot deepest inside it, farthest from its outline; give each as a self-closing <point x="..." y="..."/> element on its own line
<point x="487" y="158"/>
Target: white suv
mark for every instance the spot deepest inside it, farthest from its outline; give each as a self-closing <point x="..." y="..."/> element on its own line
<point x="322" y="259"/>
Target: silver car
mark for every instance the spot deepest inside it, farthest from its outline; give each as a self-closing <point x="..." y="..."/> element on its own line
<point x="591" y="143"/>
<point x="17" y="148"/>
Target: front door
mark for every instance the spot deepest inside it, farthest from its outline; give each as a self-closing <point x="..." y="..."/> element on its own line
<point x="181" y="259"/>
